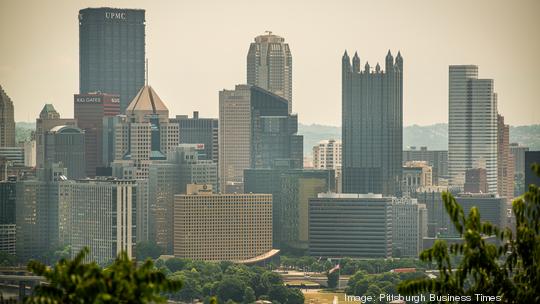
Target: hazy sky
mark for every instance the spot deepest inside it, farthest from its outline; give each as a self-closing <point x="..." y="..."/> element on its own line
<point x="197" y="48"/>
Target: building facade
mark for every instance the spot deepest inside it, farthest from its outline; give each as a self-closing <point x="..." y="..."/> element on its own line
<point x="350" y="225"/>
<point x="197" y="130"/>
<point x="518" y="154"/>
<point x="416" y="174"/>
<point x="475" y="181"/>
<point x="409" y="227"/>
<point x="222" y="227"/>
<point x="7" y="217"/>
<point x="372" y="126"/>
<point x="472" y="125"/>
<point x="505" y="161"/>
<point x="437" y="159"/>
<point x="66" y="145"/>
<point x="112" y="52"/>
<point x="90" y="110"/>
<point x="269" y="66"/>
<point x="7" y="120"/>
<point x="327" y="155"/>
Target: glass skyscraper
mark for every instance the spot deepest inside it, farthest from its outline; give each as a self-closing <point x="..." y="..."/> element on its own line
<point x="112" y="52"/>
<point x="372" y="126"/>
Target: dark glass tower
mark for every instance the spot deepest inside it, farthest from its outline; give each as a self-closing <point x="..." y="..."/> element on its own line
<point x="112" y="52"/>
<point x="372" y="126"/>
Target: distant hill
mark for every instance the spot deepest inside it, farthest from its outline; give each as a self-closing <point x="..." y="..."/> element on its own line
<point x="435" y="137"/>
<point x="23" y="131"/>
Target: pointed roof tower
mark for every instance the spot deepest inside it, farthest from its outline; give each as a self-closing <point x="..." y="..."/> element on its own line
<point x="356" y="63"/>
<point x="49" y="112"/>
<point x="147" y="102"/>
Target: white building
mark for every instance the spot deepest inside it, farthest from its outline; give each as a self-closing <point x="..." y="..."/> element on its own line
<point x="409" y="227"/>
<point x="472" y="127"/>
<point x="327" y="155"/>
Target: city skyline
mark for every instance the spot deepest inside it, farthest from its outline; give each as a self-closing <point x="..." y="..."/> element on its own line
<point x="179" y="69"/>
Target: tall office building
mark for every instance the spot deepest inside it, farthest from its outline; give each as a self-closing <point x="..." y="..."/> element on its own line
<point x="409" y="227"/>
<point x="90" y="110"/>
<point x="112" y="52"/>
<point x="437" y="159"/>
<point x="269" y="66"/>
<point x="291" y="190"/>
<point x="327" y="155"/>
<point x="145" y="135"/>
<point x="475" y="181"/>
<point x="198" y="130"/>
<point x="222" y="227"/>
<point x="518" y="155"/>
<point x="505" y="161"/>
<point x="472" y="125"/>
<point x="48" y="119"/>
<point x="65" y="145"/>
<point x="372" y="126"/>
<point x="350" y="225"/>
<point x="255" y="130"/>
<point x="29" y="148"/>
<point x="7" y="120"/>
<point x="101" y="216"/>
<point x="7" y="217"/>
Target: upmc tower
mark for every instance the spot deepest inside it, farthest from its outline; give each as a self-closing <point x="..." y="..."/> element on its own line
<point x="112" y="52"/>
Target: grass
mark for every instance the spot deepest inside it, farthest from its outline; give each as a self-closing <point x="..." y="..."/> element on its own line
<point x="323" y="297"/>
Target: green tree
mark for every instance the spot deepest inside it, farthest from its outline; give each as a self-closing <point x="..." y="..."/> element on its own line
<point x="332" y="278"/>
<point x="73" y="281"/>
<point x="249" y="296"/>
<point x="278" y="293"/>
<point x="231" y="288"/>
<point x="176" y="264"/>
<point x="145" y="250"/>
<point x="295" y="296"/>
<point x="510" y="270"/>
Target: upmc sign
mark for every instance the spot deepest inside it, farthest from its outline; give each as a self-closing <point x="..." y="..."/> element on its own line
<point x="115" y="15"/>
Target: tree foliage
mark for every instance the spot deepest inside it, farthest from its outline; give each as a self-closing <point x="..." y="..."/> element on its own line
<point x="510" y="270"/>
<point x="73" y="281"/>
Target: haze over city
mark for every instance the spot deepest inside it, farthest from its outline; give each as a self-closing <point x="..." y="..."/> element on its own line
<point x="196" y="49"/>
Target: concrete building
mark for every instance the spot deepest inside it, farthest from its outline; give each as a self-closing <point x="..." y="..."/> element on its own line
<point x="492" y="207"/>
<point x="438" y="222"/>
<point x="102" y="217"/>
<point x="65" y="145"/>
<point x="291" y="190"/>
<point x="7" y="217"/>
<point x="13" y="155"/>
<point x="48" y="119"/>
<point x="505" y="161"/>
<point x="416" y="174"/>
<point x="29" y="148"/>
<point x="90" y="111"/>
<point x="327" y="155"/>
<point x="7" y="120"/>
<point x="112" y="52"/>
<point x="222" y="227"/>
<point x="409" y="227"/>
<point x="350" y="225"/>
<point x="518" y="154"/>
<point x="372" y="126"/>
<point x="472" y="127"/>
<point x="255" y="130"/>
<point x="437" y="159"/>
<point x="476" y="181"/>
<point x="531" y="157"/>
<point x="269" y="66"/>
<point x="197" y="130"/>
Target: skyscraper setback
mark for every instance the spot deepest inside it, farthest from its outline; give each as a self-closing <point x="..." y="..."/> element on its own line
<point x="372" y="126"/>
<point x="7" y="121"/>
<point x="472" y="125"/>
<point x="112" y="52"/>
<point x="269" y="65"/>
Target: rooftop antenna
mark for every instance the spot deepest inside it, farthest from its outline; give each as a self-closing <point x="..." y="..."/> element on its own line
<point x="268" y="32"/>
<point x="146" y="78"/>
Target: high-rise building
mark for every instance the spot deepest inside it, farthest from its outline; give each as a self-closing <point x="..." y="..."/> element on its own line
<point x="222" y="227"/>
<point x="90" y="111"/>
<point x="327" y="155"/>
<point x="475" y="181"/>
<point x="438" y="222"/>
<point x="255" y="130"/>
<point x="518" y="155"/>
<point x="291" y="190"/>
<point x="65" y="145"/>
<point x="350" y="225"/>
<point x="7" y="120"/>
<point x="112" y="52"/>
<point x="372" y="126"/>
<point x="409" y="227"/>
<point x="29" y="148"/>
<point x="416" y="174"/>
<point x="48" y="119"/>
<point x="269" y="66"/>
<point x="472" y="125"/>
<point x="505" y="161"/>
<point x="101" y="216"/>
<point x="202" y="131"/>
<point x="531" y="157"/>
<point x="13" y="155"/>
<point x="7" y="217"/>
<point x="145" y="135"/>
<point x="437" y="159"/>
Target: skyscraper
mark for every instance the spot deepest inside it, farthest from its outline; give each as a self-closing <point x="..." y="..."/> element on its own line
<point x="198" y="130"/>
<point x="90" y="110"/>
<point x="112" y="52"/>
<point x="505" y="161"/>
<point x="518" y="155"/>
<point x="327" y="155"/>
<point x="372" y="126"/>
<point x="255" y="130"/>
<point x="472" y="125"/>
<point x="7" y="120"/>
<point x="65" y="145"/>
<point x="269" y="66"/>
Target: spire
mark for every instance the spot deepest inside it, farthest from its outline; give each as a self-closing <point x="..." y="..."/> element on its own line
<point x="345" y="55"/>
<point x="356" y="63"/>
<point x="366" y="67"/>
<point x="377" y="68"/>
<point x="345" y="63"/>
<point x="399" y="61"/>
<point x="389" y="63"/>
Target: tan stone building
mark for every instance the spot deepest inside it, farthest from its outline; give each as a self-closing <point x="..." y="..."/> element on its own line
<point x="222" y="227"/>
